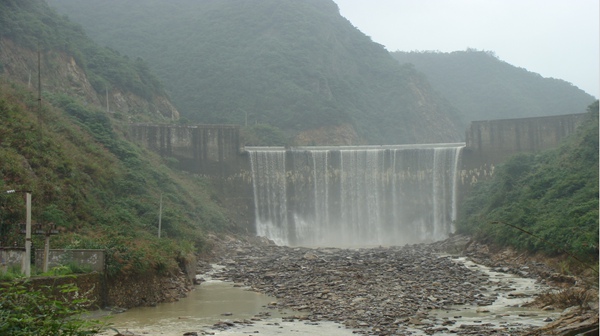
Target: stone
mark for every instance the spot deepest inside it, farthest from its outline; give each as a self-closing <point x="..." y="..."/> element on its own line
<point x="310" y="256"/>
<point x="377" y="290"/>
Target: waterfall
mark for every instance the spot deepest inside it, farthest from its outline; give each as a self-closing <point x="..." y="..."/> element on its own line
<point x="270" y="197"/>
<point x="355" y="196"/>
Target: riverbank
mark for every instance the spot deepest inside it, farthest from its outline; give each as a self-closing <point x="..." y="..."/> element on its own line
<point x="385" y="291"/>
<point x="450" y="287"/>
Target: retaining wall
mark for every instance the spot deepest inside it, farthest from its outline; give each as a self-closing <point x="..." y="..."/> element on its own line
<point x="216" y="152"/>
<point x="204" y="149"/>
<point x="493" y="141"/>
<point x="94" y="259"/>
<point x="90" y="286"/>
<point x="11" y="256"/>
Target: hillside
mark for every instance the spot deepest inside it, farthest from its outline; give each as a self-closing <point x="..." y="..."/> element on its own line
<point x="100" y="190"/>
<point x="71" y="63"/>
<point x="295" y="65"/>
<point x="72" y="154"/>
<point x="483" y="87"/>
<point x="552" y="196"/>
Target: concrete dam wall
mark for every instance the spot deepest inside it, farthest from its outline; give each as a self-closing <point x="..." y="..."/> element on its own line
<point x="491" y="142"/>
<point x="205" y="149"/>
<point x="355" y="196"/>
<point x="311" y="182"/>
<point x="496" y="140"/>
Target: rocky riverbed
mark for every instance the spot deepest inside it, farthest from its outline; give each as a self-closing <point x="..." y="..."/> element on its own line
<point x="375" y="291"/>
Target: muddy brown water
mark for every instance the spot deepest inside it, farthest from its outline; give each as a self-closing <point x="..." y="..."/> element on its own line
<point x="211" y="302"/>
<point x="215" y="301"/>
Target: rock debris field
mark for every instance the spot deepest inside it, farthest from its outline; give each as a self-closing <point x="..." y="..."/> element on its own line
<point x="374" y="291"/>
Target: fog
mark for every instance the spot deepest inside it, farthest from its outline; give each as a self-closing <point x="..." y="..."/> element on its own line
<point x="555" y="38"/>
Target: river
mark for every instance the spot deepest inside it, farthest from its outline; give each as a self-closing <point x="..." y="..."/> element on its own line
<point x="248" y="312"/>
<point x="216" y="301"/>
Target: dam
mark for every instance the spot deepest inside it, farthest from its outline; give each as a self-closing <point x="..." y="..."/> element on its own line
<point x="349" y="196"/>
<point x="355" y="196"/>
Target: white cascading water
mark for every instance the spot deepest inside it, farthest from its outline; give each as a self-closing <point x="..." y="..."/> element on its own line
<point x="355" y="196"/>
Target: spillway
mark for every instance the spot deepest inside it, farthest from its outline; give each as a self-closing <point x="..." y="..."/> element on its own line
<point x="355" y="196"/>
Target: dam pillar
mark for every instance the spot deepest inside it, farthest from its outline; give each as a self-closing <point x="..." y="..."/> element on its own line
<point x="491" y="142"/>
<point x="212" y="151"/>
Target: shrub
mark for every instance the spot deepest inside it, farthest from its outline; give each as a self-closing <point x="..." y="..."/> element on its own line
<point x="547" y="202"/>
<point x="13" y="272"/>
<point x="568" y="297"/>
<point x="24" y="311"/>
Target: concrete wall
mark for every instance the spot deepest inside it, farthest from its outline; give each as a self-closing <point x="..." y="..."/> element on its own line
<point x="101" y="291"/>
<point x="493" y="141"/>
<point x="10" y="256"/>
<point x="216" y="152"/>
<point x="94" y="259"/>
<point x="238" y="194"/>
<point x="90" y="286"/>
<point x="204" y="149"/>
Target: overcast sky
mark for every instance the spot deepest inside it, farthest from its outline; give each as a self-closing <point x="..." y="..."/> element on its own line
<point x="555" y="38"/>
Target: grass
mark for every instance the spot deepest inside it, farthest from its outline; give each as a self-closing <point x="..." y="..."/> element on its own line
<point x="567" y="297"/>
<point x="101" y="190"/>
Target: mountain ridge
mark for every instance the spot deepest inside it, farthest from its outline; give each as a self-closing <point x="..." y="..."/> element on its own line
<point x="483" y="87"/>
<point x="100" y="190"/>
<point x="298" y="66"/>
<point x="33" y="36"/>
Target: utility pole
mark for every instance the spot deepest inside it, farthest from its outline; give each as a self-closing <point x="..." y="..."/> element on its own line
<point x="45" y="230"/>
<point x="159" y="215"/>
<point x="46" y="253"/>
<point x="26" y="262"/>
<point x="27" y="258"/>
<point x="40" y="119"/>
<point x="39" y="81"/>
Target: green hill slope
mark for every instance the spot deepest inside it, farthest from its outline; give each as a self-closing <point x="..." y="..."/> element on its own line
<point x="553" y="195"/>
<point x="72" y="63"/>
<point x="482" y="87"/>
<point x="295" y="65"/>
<point x="99" y="189"/>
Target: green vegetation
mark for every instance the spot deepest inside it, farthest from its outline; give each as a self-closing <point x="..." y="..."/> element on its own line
<point x="553" y="196"/>
<point x="32" y="24"/>
<point x="568" y="297"/>
<point x="264" y="135"/>
<point x="13" y="272"/>
<point x="283" y="66"/>
<point x="482" y="87"/>
<point x="25" y="311"/>
<point x="294" y="65"/>
<point x="101" y="190"/>
<point x="67" y="269"/>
